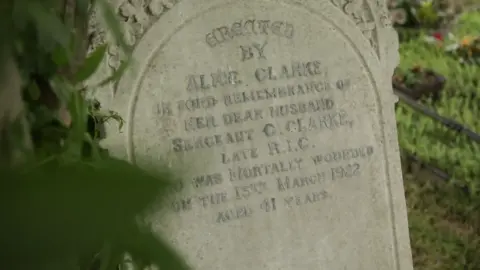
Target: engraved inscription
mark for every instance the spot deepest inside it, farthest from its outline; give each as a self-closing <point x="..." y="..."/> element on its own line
<point x="213" y="199"/>
<point x="256" y="50"/>
<point x="164" y="109"/>
<point x="264" y="132"/>
<point x="234" y="214"/>
<point x="240" y="155"/>
<point x="347" y="171"/>
<point x="241" y="173"/>
<point x="328" y="121"/>
<point x="306" y="107"/>
<point x="269" y="205"/>
<point x="289" y="146"/>
<point x="248" y="27"/>
<point x="245" y="191"/>
<point x="269" y="130"/>
<point x="208" y="180"/>
<point x="294" y="70"/>
<point x="209" y="141"/>
<point x="343" y="155"/>
<point x="212" y="80"/>
<point x="202" y="122"/>
<point x="242" y="116"/>
<point x="275" y="93"/>
<point x="304" y="199"/>
<point x="193" y="104"/>
<point x="184" y="204"/>
<point x="286" y="183"/>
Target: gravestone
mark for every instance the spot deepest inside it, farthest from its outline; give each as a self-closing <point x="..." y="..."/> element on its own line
<point x="279" y="116"/>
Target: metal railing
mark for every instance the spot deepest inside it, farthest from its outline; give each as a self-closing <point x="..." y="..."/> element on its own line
<point x="448" y="123"/>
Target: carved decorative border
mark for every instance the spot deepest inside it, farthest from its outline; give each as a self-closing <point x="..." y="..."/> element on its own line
<point x="137" y="16"/>
<point x="362" y="13"/>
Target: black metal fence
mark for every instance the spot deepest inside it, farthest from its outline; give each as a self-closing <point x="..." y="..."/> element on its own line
<point x="449" y="123"/>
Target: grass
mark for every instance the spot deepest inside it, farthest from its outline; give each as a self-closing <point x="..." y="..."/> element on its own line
<point x="444" y="221"/>
<point x="444" y="224"/>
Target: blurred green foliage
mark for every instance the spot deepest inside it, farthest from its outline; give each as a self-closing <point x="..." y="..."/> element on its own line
<point x="444" y="220"/>
<point x="70" y="205"/>
<point x="428" y="138"/>
<point x="74" y="214"/>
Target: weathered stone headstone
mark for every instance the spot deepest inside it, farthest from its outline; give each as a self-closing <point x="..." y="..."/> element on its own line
<point x="280" y="116"/>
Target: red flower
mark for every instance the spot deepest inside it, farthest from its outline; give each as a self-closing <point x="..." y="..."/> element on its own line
<point x="438" y="36"/>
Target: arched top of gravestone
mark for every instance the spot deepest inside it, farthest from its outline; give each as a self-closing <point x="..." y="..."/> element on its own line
<point x="370" y="17"/>
<point x="342" y="15"/>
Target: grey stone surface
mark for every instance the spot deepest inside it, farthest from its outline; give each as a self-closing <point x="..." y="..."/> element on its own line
<point x="279" y="116"/>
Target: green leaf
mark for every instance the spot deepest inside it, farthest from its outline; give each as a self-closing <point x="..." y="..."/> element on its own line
<point x="79" y="112"/>
<point x="60" y="211"/>
<point x="83" y="7"/>
<point x="34" y="91"/>
<point x="91" y="64"/>
<point x="111" y="20"/>
<point x="60" y="56"/>
<point x="151" y="249"/>
<point x="116" y="75"/>
<point x="50" y="27"/>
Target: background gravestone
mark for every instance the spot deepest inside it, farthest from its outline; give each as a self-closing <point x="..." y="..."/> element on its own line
<point x="279" y="115"/>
